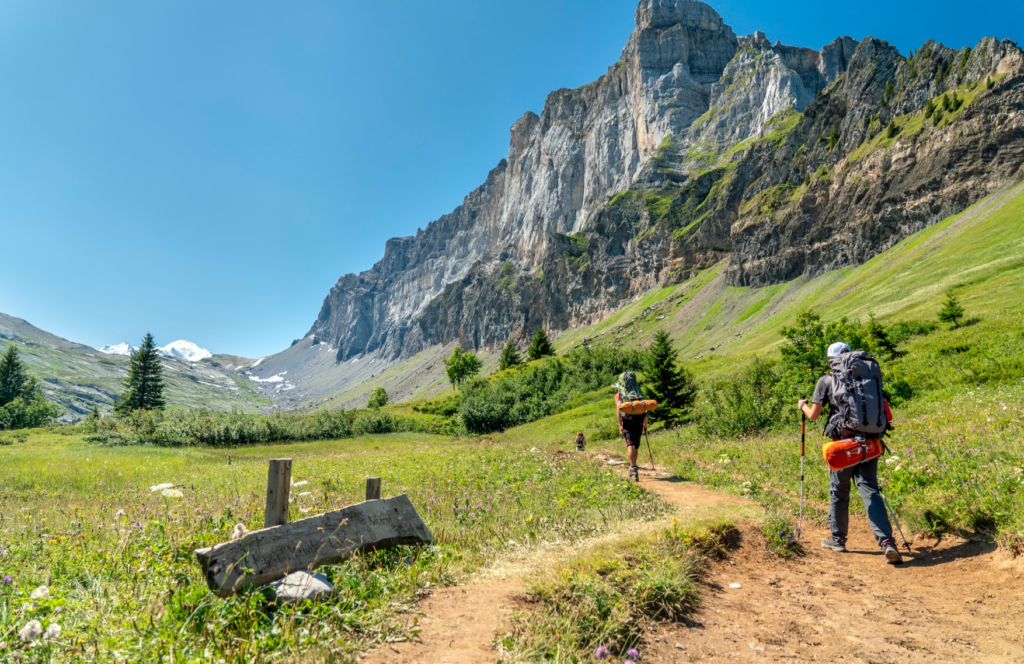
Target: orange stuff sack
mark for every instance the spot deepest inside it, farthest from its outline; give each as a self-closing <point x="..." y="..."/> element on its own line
<point x="841" y="454"/>
<point x="637" y="407"/>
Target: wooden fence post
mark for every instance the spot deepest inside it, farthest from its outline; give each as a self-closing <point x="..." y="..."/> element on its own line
<point x="279" y="488"/>
<point x="373" y="488"/>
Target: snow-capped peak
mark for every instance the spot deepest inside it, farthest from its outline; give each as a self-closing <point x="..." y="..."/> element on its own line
<point x="184" y="350"/>
<point x="123" y="348"/>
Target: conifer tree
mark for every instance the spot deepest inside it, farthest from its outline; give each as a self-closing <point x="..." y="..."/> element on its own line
<point x="14" y="380"/>
<point x="540" y="346"/>
<point x="509" y="357"/>
<point x="952" y="311"/>
<point x="22" y="403"/>
<point x="144" y="386"/>
<point x="670" y="385"/>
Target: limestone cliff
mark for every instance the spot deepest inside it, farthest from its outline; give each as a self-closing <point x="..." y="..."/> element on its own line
<point x="696" y="147"/>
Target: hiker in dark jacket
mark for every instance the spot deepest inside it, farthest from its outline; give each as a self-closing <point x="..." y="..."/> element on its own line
<point x="866" y="474"/>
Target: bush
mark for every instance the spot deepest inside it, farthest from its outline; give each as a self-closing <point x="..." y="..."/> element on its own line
<point x="531" y="392"/>
<point x="779" y="534"/>
<point x="750" y="402"/>
<point x="201" y="427"/>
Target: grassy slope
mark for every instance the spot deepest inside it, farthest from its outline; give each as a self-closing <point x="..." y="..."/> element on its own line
<point x="125" y="586"/>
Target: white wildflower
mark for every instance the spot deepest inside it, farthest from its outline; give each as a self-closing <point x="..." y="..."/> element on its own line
<point x="42" y="592"/>
<point x="534" y="449"/>
<point x="891" y="460"/>
<point x="305" y="493"/>
<point x="304" y="510"/>
<point x="118" y="513"/>
<point x="160" y="487"/>
<point x="31" y="631"/>
<point x="52" y="632"/>
<point x="171" y="493"/>
<point x="240" y="532"/>
<point x="899" y="467"/>
<point x="302" y="483"/>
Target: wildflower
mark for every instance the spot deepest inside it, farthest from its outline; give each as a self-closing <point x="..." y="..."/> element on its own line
<point x="160" y="487"/>
<point x="42" y="592"/>
<point x="602" y="653"/>
<point x="304" y="493"/>
<point x="239" y="532"/>
<point x="633" y="653"/>
<point x="8" y="580"/>
<point x="118" y="513"/>
<point x="31" y="631"/>
<point x="302" y="483"/>
<point x="891" y="460"/>
<point x="171" y="493"/>
<point x="52" y="632"/>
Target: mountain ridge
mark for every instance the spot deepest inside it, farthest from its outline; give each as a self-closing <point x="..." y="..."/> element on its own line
<point x="698" y="146"/>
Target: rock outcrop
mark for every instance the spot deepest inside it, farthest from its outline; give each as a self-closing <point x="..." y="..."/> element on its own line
<point x="696" y="147"/>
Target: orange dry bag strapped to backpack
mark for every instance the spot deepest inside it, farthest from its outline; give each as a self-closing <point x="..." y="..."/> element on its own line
<point x="841" y="454"/>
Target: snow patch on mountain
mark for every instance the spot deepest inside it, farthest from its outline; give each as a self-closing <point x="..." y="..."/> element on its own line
<point x="184" y="350"/>
<point x="181" y="350"/>
<point x="123" y="348"/>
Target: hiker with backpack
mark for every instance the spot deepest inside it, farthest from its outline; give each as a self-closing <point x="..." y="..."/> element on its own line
<point x="632" y="426"/>
<point x="858" y="419"/>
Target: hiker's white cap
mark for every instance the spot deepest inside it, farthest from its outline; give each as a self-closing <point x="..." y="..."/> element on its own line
<point x="837" y="349"/>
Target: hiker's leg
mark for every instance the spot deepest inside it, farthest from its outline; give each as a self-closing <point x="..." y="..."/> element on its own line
<point x="839" y="503"/>
<point x="631" y="453"/>
<point x="867" y="485"/>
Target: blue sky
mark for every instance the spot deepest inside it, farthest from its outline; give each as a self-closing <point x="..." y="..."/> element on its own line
<point x="207" y="170"/>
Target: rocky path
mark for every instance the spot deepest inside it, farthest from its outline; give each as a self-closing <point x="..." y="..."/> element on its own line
<point x="952" y="602"/>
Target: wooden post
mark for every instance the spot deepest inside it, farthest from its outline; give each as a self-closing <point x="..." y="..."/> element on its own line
<point x="373" y="488"/>
<point x="279" y="488"/>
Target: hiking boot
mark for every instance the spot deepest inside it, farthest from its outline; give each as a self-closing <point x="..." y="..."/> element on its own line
<point x="634" y="473"/>
<point x="834" y="544"/>
<point x="580" y="448"/>
<point x="892" y="555"/>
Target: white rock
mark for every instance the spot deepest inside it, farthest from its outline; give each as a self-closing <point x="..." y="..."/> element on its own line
<point x="735" y="586"/>
<point x="301" y="585"/>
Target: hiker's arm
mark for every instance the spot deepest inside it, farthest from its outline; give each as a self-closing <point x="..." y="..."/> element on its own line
<point x="811" y="410"/>
<point x="618" y="418"/>
<point x="645" y="423"/>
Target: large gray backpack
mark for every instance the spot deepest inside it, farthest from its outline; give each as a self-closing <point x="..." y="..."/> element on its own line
<point x="857" y="395"/>
<point x="629" y="390"/>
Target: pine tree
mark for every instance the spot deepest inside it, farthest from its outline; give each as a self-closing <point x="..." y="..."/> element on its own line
<point x="509" y="357"/>
<point x="892" y="129"/>
<point x="540" y="346"/>
<point x="14" y="380"/>
<point x="667" y="383"/>
<point x="952" y="311"/>
<point x="144" y="386"/>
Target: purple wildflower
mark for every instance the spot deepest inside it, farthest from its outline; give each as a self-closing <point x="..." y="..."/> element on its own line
<point x="8" y="580"/>
<point x="602" y="653"/>
<point x="633" y="653"/>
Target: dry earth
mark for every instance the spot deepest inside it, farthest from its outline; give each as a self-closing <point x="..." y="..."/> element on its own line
<point x="953" y="601"/>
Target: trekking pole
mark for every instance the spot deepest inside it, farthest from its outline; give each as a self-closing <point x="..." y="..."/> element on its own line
<point x="803" y="441"/>
<point x="648" y="438"/>
<point x="894" y="520"/>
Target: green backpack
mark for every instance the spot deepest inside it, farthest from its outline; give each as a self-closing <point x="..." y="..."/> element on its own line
<point x="629" y="390"/>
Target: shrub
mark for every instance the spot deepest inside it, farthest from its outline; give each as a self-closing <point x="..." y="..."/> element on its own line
<point x="461" y="366"/>
<point x="779" y="534"/>
<point x="378" y="399"/>
<point x="540" y="346"/>
<point x="892" y="129"/>
<point x="747" y="403"/>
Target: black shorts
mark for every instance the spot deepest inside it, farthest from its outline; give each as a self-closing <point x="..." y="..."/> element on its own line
<point x="634" y="431"/>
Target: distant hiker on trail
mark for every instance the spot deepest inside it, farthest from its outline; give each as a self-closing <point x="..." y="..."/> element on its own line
<point x="581" y="442"/>
<point x="632" y="427"/>
<point x="853" y="391"/>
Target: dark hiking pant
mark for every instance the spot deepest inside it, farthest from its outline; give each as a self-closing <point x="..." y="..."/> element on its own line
<point x="866" y="475"/>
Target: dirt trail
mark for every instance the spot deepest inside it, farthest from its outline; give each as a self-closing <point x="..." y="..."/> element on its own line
<point x="957" y="601"/>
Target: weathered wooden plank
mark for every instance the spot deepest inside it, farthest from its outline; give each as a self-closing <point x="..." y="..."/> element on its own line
<point x="279" y="488"/>
<point x="270" y="554"/>
<point x="373" y="488"/>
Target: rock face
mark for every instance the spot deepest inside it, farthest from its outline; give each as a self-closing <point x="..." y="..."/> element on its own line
<point x="696" y="147"/>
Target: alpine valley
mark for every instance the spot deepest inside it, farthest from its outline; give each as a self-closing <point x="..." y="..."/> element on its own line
<point x="707" y="181"/>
